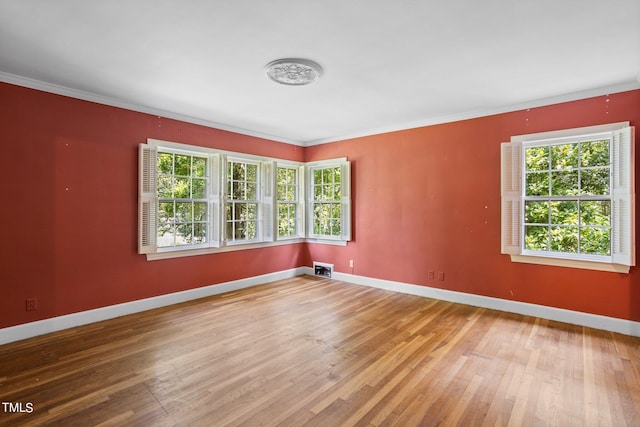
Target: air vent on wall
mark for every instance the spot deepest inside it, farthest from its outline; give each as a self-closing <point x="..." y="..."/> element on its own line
<point x="322" y="269"/>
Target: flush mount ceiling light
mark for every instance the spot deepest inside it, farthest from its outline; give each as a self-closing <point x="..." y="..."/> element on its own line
<point x="293" y="71"/>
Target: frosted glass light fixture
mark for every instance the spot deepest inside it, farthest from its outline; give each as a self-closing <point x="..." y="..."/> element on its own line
<point x="293" y="71"/>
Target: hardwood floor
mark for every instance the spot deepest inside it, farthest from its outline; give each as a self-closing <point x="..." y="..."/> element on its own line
<point x="310" y="351"/>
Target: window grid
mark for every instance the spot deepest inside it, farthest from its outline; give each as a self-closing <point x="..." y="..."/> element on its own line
<point x="567" y="202"/>
<point x="287" y="187"/>
<point x="242" y="216"/>
<point x="327" y="207"/>
<point x="183" y="208"/>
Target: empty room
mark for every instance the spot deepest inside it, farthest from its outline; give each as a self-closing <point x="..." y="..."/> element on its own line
<point x="336" y="213"/>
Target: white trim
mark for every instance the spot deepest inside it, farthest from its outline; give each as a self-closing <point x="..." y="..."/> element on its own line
<point x="113" y="102"/>
<point x="482" y="112"/>
<point x="40" y="327"/>
<point x="231" y="246"/>
<point x="570" y="134"/>
<point x="611" y="324"/>
<point x="571" y="263"/>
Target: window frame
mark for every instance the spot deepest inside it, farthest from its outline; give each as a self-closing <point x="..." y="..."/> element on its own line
<point x="257" y="201"/>
<point x="298" y="202"/>
<point x="216" y="194"/>
<point x="344" y="201"/>
<point x="621" y="195"/>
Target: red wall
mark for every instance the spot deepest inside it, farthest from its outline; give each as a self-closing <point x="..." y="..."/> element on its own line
<point x="69" y="207"/>
<point x="428" y="199"/>
<point x="423" y="199"/>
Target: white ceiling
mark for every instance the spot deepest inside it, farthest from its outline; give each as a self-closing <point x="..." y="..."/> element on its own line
<point x="388" y="64"/>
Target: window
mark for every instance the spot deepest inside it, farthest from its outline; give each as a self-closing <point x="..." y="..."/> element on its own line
<point x="182" y="201"/>
<point x="569" y="196"/>
<point x="329" y="200"/>
<point x="289" y="210"/>
<point x="195" y="200"/>
<point x="242" y="201"/>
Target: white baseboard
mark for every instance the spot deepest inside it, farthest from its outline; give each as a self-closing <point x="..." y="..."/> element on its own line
<point x="612" y="324"/>
<point x="40" y="327"/>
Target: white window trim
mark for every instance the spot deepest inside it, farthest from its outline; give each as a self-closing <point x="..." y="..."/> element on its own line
<point x="345" y="201"/>
<point x="300" y="203"/>
<point x="512" y="206"/>
<point x="216" y="193"/>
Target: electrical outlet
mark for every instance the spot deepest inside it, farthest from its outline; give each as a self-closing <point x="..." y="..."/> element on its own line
<point x="441" y="275"/>
<point x="32" y="304"/>
<point x="351" y="263"/>
<point x="431" y="275"/>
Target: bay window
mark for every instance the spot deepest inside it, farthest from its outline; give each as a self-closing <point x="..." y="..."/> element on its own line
<point x="195" y="200"/>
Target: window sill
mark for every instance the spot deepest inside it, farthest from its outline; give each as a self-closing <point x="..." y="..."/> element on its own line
<point x="186" y="252"/>
<point x="571" y="263"/>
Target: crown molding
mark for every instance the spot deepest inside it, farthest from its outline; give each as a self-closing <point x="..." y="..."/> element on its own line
<point x="483" y="112"/>
<point x="113" y="102"/>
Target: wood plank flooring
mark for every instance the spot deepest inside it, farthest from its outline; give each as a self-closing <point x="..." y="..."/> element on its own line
<point x="316" y="352"/>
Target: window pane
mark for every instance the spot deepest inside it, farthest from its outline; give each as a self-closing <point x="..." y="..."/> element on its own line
<point x="327" y="176"/>
<point x="182" y="165"/>
<point x="199" y="188"/>
<point x="252" y="211"/>
<point x="166" y="235"/>
<point x="536" y="212"/>
<point x="536" y="238"/>
<point x="252" y="173"/>
<point x="237" y="191"/>
<point x="335" y="227"/>
<point x="337" y="175"/>
<point x="165" y="163"/>
<point x="166" y="211"/>
<point x="182" y="188"/>
<point x="564" y="212"/>
<point x="199" y="211"/>
<point x="199" y="233"/>
<point x="537" y="184"/>
<point x="327" y="192"/>
<point x="199" y="167"/>
<point x="281" y="175"/>
<point x="317" y="176"/>
<point x="564" y="156"/>
<point x="183" y="212"/>
<point x="537" y="158"/>
<point x="237" y="171"/>
<point x="252" y="230"/>
<point x="291" y="193"/>
<point x="281" y="192"/>
<point x="596" y="213"/>
<point x="564" y="183"/>
<point x="165" y="187"/>
<point x="595" y="181"/>
<point x="596" y="241"/>
<point x="336" y="211"/>
<point x="564" y="239"/>
<point x="251" y="191"/>
<point x="292" y="176"/>
<point x="594" y="153"/>
<point x="184" y="232"/>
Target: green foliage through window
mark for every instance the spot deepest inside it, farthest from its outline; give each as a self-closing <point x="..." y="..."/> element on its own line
<point x="567" y="206"/>
<point x="242" y="201"/>
<point x="327" y="208"/>
<point x="287" y="201"/>
<point x="182" y="204"/>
